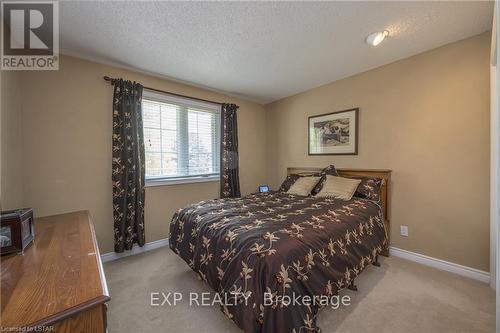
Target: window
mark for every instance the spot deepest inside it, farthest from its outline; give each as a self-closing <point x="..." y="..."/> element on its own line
<point x="181" y="139"/>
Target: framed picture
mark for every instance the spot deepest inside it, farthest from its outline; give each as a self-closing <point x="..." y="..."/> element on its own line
<point x="334" y="133"/>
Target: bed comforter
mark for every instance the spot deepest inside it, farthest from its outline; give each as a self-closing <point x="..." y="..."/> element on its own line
<point x="264" y="246"/>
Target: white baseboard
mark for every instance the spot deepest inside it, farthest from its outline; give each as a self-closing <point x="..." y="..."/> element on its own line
<point x="408" y="255"/>
<point x="441" y="264"/>
<point x="106" y="257"/>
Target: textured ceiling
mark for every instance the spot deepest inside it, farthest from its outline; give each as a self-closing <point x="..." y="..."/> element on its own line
<point x="261" y="51"/>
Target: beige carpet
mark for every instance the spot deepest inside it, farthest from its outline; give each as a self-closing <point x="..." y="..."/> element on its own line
<point x="400" y="296"/>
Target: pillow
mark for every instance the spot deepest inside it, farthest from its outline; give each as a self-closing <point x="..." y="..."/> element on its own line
<point x="288" y="182"/>
<point x="329" y="170"/>
<point x="303" y="185"/>
<point x="369" y="188"/>
<point x="292" y="178"/>
<point x="338" y="187"/>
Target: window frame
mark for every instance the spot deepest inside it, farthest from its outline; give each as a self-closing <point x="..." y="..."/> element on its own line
<point x="161" y="97"/>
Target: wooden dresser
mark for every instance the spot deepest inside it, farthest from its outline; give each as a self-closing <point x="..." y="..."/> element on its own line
<point x="58" y="282"/>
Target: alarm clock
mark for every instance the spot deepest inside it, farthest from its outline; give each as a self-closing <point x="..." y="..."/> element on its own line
<point x="263" y="188"/>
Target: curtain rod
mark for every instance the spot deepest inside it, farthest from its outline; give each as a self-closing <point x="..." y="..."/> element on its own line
<point x="113" y="80"/>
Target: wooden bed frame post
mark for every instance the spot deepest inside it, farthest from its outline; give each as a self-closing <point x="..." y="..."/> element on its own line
<point x="358" y="173"/>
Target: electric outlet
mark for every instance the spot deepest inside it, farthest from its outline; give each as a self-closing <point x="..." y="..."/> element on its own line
<point x="404" y="230"/>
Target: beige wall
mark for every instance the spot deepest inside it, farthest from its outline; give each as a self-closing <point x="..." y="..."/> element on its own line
<point x="427" y="119"/>
<point x="67" y="124"/>
<point x="11" y="142"/>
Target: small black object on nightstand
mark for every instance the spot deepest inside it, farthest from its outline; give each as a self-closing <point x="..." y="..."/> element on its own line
<point x="263" y="188"/>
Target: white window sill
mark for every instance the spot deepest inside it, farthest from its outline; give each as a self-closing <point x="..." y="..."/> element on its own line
<point x="176" y="181"/>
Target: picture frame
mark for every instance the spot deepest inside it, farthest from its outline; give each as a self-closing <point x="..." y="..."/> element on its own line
<point x="334" y="133"/>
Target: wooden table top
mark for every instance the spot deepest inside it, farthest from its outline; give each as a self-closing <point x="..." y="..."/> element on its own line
<point x="60" y="274"/>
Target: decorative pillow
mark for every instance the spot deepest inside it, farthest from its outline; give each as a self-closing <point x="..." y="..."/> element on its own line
<point x="369" y="188"/>
<point x="339" y="187"/>
<point x="288" y="182"/>
<point x="292" y="178"/>
<point x="303" y="185"/>
<point x="329" y="170"/>
<point x="319" y="185"/>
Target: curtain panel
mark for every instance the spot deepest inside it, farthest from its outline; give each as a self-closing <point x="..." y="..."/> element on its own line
<point x="229" y="173"/>
<point x="128" y="173"/>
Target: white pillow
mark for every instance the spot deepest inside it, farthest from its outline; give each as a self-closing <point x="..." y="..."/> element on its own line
<point x="338" y="187"/>
<point x="303" y="186"/>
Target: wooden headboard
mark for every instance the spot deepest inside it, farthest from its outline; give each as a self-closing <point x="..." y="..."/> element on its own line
<point x="356" y="173"/>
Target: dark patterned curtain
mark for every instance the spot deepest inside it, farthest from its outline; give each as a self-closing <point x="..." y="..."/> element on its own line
<point x="128" y="165"/>
<point x="229" y="173"/>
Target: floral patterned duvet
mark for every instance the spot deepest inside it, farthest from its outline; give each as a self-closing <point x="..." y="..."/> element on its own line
<point x="262" y="247"/>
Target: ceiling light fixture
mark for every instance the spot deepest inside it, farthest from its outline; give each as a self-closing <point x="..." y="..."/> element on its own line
<point x="377" y="37"/>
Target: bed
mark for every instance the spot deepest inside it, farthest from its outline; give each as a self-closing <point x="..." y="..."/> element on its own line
<point x="255" y="250"/>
